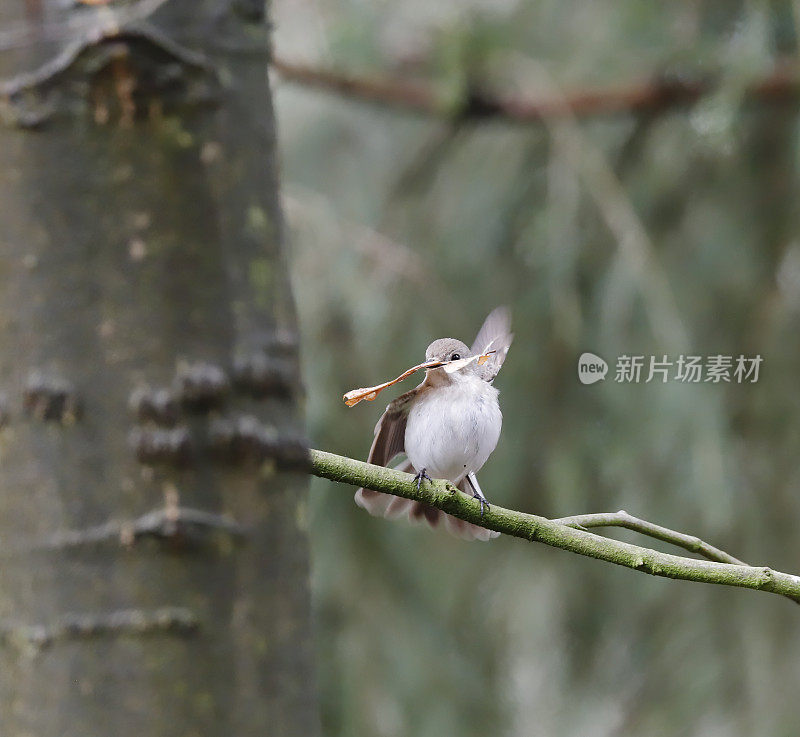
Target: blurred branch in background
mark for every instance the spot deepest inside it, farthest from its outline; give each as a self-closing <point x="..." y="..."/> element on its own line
<point x="568" y="533"/>
<point x="662" y="92"/>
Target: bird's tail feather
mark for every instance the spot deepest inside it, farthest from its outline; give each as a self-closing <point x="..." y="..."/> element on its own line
<point x="396" y="507"/>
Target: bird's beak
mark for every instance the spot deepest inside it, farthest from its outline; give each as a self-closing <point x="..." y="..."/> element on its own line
<point x="451" y="365"/>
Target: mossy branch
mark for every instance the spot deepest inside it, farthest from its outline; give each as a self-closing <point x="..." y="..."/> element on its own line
<point x="623" y="519"/>
<point x="569" y="533"/>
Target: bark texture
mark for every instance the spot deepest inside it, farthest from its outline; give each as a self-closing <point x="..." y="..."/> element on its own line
<point x="153" y="557"/>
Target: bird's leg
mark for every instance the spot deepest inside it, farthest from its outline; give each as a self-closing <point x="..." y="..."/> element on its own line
<point x="476" y="492"/>
<point x="423" y="474"/>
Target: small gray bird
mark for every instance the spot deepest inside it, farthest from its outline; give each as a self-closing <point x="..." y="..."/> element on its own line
<point x="447" y="427"/>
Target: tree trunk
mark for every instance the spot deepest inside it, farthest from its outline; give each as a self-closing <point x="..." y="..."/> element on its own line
<point x="153" y="557"/>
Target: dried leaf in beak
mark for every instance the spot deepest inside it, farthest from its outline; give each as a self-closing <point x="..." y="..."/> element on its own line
<point x="368" y="394"/>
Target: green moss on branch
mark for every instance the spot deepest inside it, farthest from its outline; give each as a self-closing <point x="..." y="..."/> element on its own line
<point x="557" y="534"/>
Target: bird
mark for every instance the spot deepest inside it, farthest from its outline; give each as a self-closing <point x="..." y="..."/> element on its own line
<point x="447" y="427"/>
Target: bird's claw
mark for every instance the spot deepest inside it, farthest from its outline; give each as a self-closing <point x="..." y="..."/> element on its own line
<point x="423" y="474"/>
<point x="482" y="501"/>
<point x="476" y="493"/>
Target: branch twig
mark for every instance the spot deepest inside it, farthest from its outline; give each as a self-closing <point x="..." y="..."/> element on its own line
<point x="629" y="522"/>
<point x="660" y="93"/>
<point x="566" y="533"/>
<point x="389" y="92"/>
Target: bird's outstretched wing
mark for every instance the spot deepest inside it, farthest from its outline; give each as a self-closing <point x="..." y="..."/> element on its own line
<point x="390" y="430"/>
<point x="389" y="441"/>
<point x="495" y="335"/>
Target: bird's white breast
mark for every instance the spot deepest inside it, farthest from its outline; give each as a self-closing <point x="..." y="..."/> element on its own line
<point x="453" y="429"/>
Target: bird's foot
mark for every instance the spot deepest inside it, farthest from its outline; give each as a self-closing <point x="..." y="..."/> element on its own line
<point x="423" y="474"/>
<point x="484" y="504"/>
<point x="476" y="493"/>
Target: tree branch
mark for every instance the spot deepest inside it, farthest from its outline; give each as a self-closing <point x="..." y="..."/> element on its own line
<point x="567" y="533"/>
<point x="398" y="93"/>
<point x="782" y="84"/>
<point x="628" y="521"/>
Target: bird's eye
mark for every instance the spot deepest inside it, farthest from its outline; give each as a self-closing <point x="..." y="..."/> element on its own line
<point x="455" y="357"/>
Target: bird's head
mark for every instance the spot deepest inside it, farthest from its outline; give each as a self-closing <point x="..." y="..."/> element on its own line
<point x="445" y="352"/>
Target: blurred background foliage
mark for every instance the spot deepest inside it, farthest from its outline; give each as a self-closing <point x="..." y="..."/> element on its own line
<point x="671" y="232"/>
